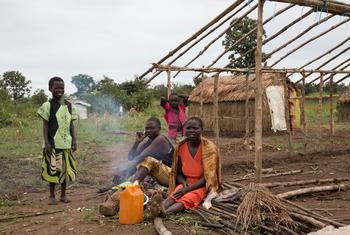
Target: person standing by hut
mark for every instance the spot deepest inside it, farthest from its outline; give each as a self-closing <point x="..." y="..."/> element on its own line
<point x="58" y="164"/>
<point x="175" y="115"/>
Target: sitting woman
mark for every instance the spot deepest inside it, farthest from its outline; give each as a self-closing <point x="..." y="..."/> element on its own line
<point x="195" y="171"/>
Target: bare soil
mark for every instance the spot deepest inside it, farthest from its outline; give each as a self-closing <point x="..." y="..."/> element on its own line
<point x="81" y="215"/>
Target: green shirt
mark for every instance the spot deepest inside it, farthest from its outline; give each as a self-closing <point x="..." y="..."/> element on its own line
<point x="59" y="131"/>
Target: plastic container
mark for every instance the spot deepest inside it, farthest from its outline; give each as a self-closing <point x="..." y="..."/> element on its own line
<point x="131" y="205"/>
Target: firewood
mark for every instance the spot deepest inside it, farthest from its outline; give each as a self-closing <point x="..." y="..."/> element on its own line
<point x="308" y="219"/>
<point x="303" y="182"/>
<point x="211" y="225"/>
<point x="311" y="190"/>
<point x="161" y="229"/>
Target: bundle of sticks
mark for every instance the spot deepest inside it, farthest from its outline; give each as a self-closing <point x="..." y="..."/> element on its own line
<point x="254" y="209"/>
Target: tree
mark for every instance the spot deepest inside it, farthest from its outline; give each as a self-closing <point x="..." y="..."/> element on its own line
<point x="234" y="34"/>
<point x="83" y="83"/>
<point x="39" y="97"/>
<point x="133" y="86"/>
<point x="16" y="84"/>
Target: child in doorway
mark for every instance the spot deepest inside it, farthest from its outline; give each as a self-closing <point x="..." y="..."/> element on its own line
<point x="175" y="115"/>
<point x="58" y="164"/>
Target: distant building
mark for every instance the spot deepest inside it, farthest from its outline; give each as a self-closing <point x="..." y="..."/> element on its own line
<point x="81" y="107"/>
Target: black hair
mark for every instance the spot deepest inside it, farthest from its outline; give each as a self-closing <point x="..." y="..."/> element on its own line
<point x="197" y="119"/>
<point x="53" y="80"/>
<point x="173" y="94"/>
<point x="154" y="119"/>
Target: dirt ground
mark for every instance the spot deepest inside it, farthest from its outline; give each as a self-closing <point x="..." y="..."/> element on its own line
<point x="81" y="215"/>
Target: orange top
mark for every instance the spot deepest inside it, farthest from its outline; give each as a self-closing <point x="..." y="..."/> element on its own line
<point x="192" y="169"/>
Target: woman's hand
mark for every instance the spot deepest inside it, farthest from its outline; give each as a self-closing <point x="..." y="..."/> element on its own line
<point x="48" y="147"/>
<point x="181" y="192"/>
<point x="140" y="136"/>
<point x="74" y="146"/>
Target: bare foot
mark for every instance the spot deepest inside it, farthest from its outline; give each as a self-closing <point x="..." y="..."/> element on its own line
<point x="65" y="200"/>
<point x="52" y="201"/>
<point x="156" y="207"/>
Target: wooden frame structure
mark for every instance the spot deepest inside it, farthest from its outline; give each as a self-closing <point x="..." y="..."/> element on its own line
<point x="242" y="8"/>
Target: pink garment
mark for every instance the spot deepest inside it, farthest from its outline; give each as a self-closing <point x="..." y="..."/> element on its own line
<point x="172" y="117"/>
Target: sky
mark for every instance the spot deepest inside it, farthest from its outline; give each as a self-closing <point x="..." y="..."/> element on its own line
<point x="121" y="38"/>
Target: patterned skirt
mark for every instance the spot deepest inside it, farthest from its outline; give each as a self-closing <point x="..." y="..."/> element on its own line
<point x="58" y="166"/>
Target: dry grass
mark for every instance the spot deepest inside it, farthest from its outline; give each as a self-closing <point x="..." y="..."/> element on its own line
<point x="259" y="206"/>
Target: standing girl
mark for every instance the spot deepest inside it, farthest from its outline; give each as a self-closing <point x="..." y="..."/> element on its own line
<point x="58" y="165"/>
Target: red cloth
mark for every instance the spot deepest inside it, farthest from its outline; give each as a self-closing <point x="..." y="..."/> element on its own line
<point x="193" y="170"/>
<point x="173" y="117"/>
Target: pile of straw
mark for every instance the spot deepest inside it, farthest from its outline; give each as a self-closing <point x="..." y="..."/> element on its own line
<point x="259" y="206"/>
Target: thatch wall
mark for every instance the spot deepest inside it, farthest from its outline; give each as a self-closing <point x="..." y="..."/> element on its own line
<point x="343" y="107"/>
<point x="232" y="95"/>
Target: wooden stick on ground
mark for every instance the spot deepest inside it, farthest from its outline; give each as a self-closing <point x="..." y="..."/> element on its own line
<point x="30" y="215"/>
<point x="161" y="229"/>
<point x="303" y="182"/>
<point x="308" y="219"/>
<point x="269" y="175"/>
<point x="311" y="190"/>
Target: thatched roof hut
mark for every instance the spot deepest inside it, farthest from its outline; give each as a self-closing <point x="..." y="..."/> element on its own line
<point x="232" y="95"/>
<point x="343" y="107"/>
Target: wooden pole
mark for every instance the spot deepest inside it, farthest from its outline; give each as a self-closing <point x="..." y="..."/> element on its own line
<point x="169" y="82"/>
<point x="194" y="36"/>
<point x="333" y="7"/>
<point x="310" y="40"/>
<point x="247" y="121"/>
<point x="287" y="117"/>
<point x="320" y="101"/>
<point x="216" y="110"/>
<point x="324" y="54"/>
<point x="331" y="119"/>
<point x="258" y="93"/>
<point x="201" y="95"/>
<point x="303" y="116"/>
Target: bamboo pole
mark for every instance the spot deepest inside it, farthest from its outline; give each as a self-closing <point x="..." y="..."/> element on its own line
<point x="310" y="40"/>
<point x="216" y="109"/>
<point x="333" y="7"/>
<point x="287" y="117"/>
<point x="320" y="111"/>
<point x="324" y="54"/>
<point x="194" y="36"/>
<point x="258" y="93"/>
<point x="331" y="119"/>
<point x="303" y="116"/>
<point x="168" y="83"/>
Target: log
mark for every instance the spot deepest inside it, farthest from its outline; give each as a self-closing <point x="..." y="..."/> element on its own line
<point x="216" y="110"/>
<point x="333" y="7"/>
<point x="161" y="229"/>
<point x="303" y="182"/>
<point x="308" y="219"/>
<point x="303" y="116"/>
<point x="168" y="83"/>
<point x="320" y="107"/>
<point x="331" y="119"/>
<point x="210" y="225"/>
<point x="311" y="190"/>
